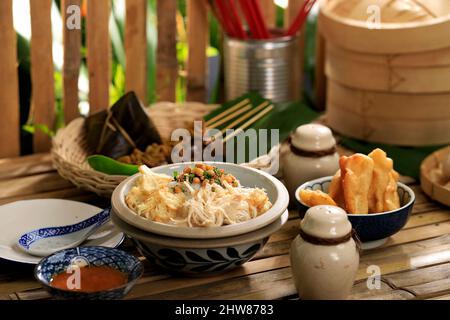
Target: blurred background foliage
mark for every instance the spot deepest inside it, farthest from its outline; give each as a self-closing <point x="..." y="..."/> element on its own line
<point x="117" y="85"/>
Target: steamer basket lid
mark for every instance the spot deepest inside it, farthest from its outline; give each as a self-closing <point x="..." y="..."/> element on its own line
<point x="396" y="11"/>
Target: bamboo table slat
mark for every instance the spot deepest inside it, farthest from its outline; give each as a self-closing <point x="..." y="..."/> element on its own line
<point x="415" y="263"/>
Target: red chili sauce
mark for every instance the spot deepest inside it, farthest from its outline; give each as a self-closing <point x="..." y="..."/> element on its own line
<point x="91" y="279"/>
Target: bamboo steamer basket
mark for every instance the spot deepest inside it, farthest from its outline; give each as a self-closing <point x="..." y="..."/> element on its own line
<point x="435" y="58"/>
<point x="390" y="84"/>
<point x="399" y="31"/>
<point x="405" y="120"/>
<point x="429" y="185"/>
<point x="376" y="74"/>
<point x="420" y="107"/>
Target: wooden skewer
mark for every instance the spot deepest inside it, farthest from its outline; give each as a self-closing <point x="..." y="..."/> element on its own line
<point x="230" y="116"/>
<point x="249" y="123"/>
<point x="246" y="116"/>
<point x="227" y="112"/>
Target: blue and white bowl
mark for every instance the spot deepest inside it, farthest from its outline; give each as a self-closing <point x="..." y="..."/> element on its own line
<point x="373" y="229"/>
<point x="93" y="256"/>
<point x="199" y="257"/>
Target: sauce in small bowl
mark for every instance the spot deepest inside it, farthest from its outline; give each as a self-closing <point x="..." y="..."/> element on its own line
<point x="89" y="273"/>
<point x="92" y="279"/>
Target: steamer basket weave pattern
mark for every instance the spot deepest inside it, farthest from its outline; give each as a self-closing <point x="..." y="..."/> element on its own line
<point x="69" y="150"/>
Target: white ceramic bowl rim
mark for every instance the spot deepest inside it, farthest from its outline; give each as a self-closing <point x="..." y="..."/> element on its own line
<point x="279" y="205"/>
<point x="412" y="196"/>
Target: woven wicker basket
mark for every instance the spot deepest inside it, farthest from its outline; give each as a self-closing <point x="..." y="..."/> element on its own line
<point x="69" y="151"/>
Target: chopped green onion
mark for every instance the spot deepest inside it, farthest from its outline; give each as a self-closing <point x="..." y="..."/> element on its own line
<point x="217" y="172"/>
<point x="207" y="175"/>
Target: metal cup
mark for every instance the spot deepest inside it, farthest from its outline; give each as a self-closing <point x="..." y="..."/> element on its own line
<point x="270" y="67"/>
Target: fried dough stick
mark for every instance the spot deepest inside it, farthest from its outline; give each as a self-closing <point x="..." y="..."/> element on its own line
<point x="356" y="172"/>
<point x="315" y="198"/>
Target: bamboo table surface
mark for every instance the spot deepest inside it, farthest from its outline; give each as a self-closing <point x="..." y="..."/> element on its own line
<point x="415" y="263"/>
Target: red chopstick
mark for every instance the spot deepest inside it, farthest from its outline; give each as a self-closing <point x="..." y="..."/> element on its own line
<point x="259" y="19"/>
<point x="236" y="20"/>
<point x="217" y="15"/>
<point x="226" y="21"/>
<point x="228" y="17"/>
<point x="250" y="18"/>
<point x="301" y="17"/>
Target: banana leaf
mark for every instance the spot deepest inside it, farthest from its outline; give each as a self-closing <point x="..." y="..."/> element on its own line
<point x="285" y="117"/>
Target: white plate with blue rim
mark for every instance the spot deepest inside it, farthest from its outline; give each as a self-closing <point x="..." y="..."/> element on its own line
<point x="20" y="217"/>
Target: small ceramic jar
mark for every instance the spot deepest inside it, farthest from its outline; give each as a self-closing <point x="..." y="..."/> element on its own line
<point x="324" y="256"/>
<point x="312" y="155"/>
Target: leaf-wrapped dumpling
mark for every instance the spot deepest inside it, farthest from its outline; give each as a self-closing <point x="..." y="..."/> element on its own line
<point x="119" y="130"/>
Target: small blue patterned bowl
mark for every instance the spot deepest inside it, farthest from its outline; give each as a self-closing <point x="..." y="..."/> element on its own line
<point x="93" y="256"/>
<point x="373" y="229"/>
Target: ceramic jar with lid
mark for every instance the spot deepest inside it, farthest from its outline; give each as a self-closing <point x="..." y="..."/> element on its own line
<point x="324" y="256"/>
<point x="312" y="155"/>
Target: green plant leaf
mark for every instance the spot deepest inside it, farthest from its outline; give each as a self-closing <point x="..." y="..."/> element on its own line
<point x="116" y="27"/>
<point x="117" y="87"/>
<point x="32" y="128"/>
